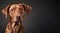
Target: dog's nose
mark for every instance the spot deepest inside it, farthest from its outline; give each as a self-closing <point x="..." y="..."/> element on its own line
<point x="18" y="17"/>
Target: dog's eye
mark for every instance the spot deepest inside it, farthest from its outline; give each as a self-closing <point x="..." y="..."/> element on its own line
<point x="12" y="9"/>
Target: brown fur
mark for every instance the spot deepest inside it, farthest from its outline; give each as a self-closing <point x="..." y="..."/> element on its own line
<point x="15" y="10"/>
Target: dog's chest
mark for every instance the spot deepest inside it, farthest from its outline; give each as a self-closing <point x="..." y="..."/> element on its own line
<point x="15" y="26"/>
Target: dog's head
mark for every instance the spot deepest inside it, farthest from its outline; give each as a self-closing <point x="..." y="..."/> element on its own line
<point x="16" y="11"/>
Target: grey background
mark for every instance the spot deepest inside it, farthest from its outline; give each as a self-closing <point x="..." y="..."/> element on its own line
<point x="44" y="16"/>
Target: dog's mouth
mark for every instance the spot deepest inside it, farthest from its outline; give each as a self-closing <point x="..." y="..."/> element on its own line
<point x="17" y="21"/>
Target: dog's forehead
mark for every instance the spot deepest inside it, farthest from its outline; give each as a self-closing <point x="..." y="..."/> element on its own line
<point x="16" y="6"/>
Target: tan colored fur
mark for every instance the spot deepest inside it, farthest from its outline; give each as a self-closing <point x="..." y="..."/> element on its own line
<point x="15" y="10"/>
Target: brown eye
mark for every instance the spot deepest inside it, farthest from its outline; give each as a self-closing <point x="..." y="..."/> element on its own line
<point x="12" y="9"/>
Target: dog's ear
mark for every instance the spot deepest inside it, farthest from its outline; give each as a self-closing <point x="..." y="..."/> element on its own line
<point x="5" y="10"/>
<point x="27" y="9"/>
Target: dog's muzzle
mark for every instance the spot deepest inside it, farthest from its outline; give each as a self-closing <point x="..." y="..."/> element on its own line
<point x="18" y="19"/>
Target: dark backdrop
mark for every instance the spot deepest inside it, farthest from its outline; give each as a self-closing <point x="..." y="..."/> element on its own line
<point x="44" y="16"/>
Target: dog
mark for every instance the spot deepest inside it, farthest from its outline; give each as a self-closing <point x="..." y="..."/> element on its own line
<point x="16" y="13"/>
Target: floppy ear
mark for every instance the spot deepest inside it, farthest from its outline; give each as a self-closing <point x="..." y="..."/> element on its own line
<point x="5" y="11"/>
<point x="27" y="9"/>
